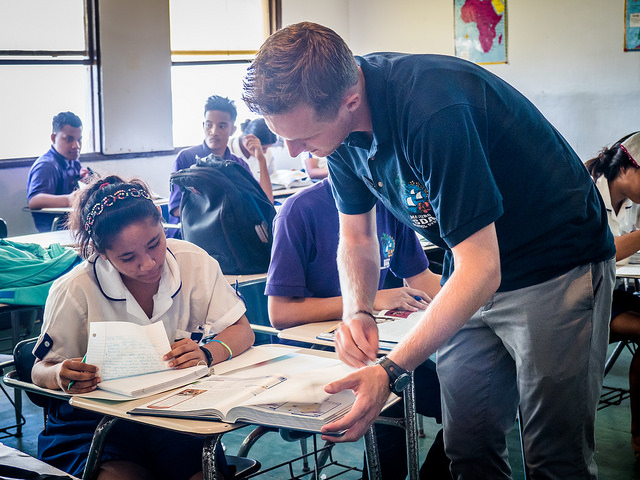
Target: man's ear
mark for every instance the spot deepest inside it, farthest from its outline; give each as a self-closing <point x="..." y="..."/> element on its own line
<point x="233" y="130"/>
<point x="352" y="101"/>
<point x="53" y="138"/>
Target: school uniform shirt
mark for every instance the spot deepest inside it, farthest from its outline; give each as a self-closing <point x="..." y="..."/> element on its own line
<point x="628" y="218"/>
<point x="305" y="242"/>
<point x="52" y="174"/>
<point x="455" y="149"/>
<point x="185" y="159"/>
<point x="193" y="297"/>
<point x="254" y="164"/>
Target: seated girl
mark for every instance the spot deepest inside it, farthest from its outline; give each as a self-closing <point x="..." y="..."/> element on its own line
<point x="133" y="273"/>
<point x="616" y="171"/>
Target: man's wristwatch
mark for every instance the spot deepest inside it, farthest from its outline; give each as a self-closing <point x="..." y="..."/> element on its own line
<point x="399" y="378"/>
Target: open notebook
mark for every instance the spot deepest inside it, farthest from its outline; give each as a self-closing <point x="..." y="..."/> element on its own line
<point x="129" y="359"/>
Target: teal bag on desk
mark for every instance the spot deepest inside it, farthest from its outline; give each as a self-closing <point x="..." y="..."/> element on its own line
<point x="27" y="270"/>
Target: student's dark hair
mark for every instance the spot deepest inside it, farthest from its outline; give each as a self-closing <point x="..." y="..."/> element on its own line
<point x="258" y="127"/>
<point x="222" y="104"/>
<point x="610" y="161"/>
<point x="306" y="64"/>
<point x="65" y="118"/>
<point x="105" y="207"/>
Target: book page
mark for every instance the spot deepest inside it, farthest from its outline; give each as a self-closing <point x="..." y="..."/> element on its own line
<point x="124" y="349"/>
<point x="250" y="357"/>
<point x="213" y="395"/>
<point x="394" y="325"/>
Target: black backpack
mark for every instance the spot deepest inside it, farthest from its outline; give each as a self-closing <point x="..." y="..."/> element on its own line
<point x="225" y="211"/>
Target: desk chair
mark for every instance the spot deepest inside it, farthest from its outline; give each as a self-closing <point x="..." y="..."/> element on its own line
<point x="615" y="395"/>
<point x="3" y="228"/>
<point x="6" y="361"/>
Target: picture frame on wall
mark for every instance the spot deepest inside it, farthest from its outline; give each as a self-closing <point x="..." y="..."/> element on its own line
<point x="632" y="26"/>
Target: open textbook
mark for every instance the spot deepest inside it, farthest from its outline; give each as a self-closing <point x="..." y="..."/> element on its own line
<point x="393" y="326"/>
<point x="283" y="179"/>
<point x="129" y="359"/>
<point x="286" y="392"/>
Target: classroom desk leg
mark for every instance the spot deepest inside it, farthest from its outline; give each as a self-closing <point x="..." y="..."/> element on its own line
<point x="209" y="467"/>
<point x="411" y="428"/>
<point x="371" y="450"/>
<point x="97" y="444"/>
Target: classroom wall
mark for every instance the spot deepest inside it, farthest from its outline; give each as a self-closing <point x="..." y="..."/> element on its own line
<point x="565" y="56"/>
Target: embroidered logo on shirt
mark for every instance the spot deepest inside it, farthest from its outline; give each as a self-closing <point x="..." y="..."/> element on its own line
<point x="387" y="246"/>
<point x="417" y="203"/>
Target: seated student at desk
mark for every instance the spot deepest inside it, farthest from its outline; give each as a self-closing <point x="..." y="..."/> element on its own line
<point x="54" y="176"/>
<point x="303" y="287"/>
<point x="131" y="273"/>
<point x="220" y="115"/>
<point x="616" y="172"/>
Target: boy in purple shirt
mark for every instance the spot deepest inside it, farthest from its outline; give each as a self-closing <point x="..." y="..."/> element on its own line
<point x="54" y="176"/>
<point x="303" y="287"/>
<point x="219" y="124"/>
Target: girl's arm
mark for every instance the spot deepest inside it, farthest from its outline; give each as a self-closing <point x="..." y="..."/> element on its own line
<point x="71" y="375"/>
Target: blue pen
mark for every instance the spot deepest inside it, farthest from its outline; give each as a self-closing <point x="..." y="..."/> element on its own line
<point x="418" y="298"/>
<point x="84" y="359"/>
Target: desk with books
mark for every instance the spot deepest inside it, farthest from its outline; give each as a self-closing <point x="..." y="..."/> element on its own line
<point x="316" y="334"/>
<point x="172" y="410"/>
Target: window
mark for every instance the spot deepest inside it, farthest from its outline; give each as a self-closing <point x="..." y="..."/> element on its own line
<point x="212" y="44"/>
<point x="46" y="66"/>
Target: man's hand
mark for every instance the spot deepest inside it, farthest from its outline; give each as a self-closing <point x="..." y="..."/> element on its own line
<point x="402" y="298"/>
<point x="357" y="340"/>
<point x="371" y="388"/>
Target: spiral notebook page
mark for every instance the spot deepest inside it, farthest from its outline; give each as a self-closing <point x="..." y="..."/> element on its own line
<point x="123" y="349"/>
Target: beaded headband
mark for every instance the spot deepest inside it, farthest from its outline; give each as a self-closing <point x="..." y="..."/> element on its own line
<point x="109" y="200"/>
<point x="631" y="147"/>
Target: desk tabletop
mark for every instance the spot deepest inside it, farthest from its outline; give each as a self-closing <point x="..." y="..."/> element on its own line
<point x="308" y="333"/>
<point x="44" y="239"/>
<point x="244" y="280"/>
<point x="287" y="192"/>
<point x="630" y="270"/>
<point x="120" y="409"/>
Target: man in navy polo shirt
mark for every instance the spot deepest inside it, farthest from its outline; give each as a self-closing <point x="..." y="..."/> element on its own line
<point x="219" y="124"/>
<point x="54" y="176"/>
<point x="303" y="287"/>
<point x="460" y="156"/>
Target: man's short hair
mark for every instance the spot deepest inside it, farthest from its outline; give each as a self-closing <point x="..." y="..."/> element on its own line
<point x="65" y="118"/>
<point x="222" y="104"/>
<point x="304" y="63"/>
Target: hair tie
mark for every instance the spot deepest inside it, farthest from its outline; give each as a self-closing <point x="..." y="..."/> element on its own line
<point x="103" y="185"/>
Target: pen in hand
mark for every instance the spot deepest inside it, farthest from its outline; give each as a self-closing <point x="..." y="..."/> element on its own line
<point x="72" y="382"/>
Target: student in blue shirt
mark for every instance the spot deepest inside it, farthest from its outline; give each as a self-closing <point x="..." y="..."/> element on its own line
<point x="303" y="287"/>
<point x="219" y="124"/>
<point x="460" y="156"/>
<point x="53" y="178"/>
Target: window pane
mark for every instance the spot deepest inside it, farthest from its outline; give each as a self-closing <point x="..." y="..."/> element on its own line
<point x="34" y="94"/>
<point x="217" y="24"/>
<point x="191" y="85"/>
<point x="42" y="25"/>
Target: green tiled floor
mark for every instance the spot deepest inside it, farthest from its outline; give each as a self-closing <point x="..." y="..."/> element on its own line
<point x="614" y="456"/>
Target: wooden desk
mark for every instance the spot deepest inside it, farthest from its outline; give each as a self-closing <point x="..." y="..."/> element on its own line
<point x="244" y="280"/>
<point x="308" y="333"/>
<point x="63" y="237"/>
<point x="212" y="430"/>
<point x="287" y="192"/>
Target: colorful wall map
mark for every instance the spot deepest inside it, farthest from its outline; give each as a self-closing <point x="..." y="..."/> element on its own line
<point x="632" y="26"/>
<point x="480" y="30"/>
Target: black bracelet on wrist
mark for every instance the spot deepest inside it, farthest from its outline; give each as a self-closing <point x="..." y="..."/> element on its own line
<point x="366" y="313"/>
<point x="208" y="355"/>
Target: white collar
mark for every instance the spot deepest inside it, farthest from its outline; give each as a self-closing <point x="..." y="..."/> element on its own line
<point x="113" y="288"/>
<point x="603" y="187"/>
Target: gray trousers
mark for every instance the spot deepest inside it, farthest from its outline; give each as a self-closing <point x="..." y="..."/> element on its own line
<point x="541" y="348"/>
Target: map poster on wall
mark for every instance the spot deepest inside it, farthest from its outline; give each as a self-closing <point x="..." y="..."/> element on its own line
<point x="632" y="26"/>
<point x="480" y="30"/>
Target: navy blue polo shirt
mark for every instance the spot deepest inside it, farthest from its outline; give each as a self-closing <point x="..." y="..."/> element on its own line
<point x="53" y="174"/>
<point x="454" y="149"/>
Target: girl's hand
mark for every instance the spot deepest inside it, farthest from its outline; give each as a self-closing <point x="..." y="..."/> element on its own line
<point x="252" y="143"/>
<point x="76" y="376"/>
<point x="185" y="353"/>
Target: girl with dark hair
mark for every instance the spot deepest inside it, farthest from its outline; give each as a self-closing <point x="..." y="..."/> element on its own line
<point x="616" y="172"/>
<point x="131" y="273"/>
<point x="253" y="145"/>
